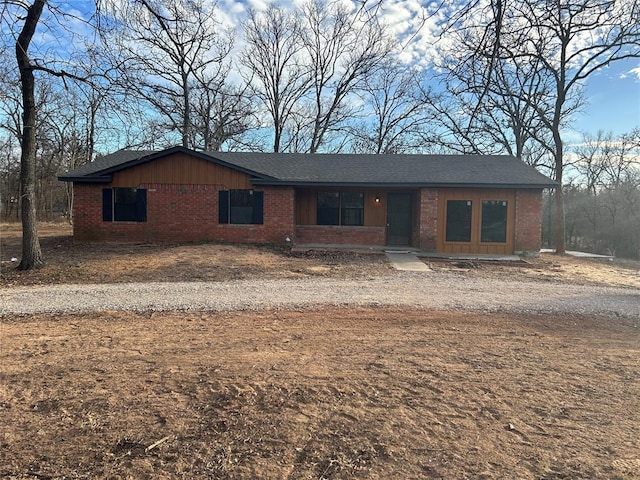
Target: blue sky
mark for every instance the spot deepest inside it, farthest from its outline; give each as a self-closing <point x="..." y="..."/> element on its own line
<point x="613" y="96"/>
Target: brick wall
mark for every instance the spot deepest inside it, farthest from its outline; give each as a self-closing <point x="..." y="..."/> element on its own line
<point x="528" y="221"/>
<point x="182" y="213"/>
<point x="427" y="230"/>
<point x="87" y="211"/>
<point x="329" y="234"/>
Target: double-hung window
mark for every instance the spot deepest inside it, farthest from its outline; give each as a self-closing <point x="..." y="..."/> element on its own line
<point x="240" y="207"/>
<point x="340" y="208"/>
<point x="124" y="204"/>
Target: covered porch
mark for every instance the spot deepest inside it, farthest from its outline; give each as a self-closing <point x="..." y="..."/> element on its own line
<point x="434" y="220"/>
<point x="376" y="217"/>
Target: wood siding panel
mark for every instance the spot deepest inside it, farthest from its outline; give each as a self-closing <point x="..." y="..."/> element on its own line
<point x="374" y="213"/>
<point x="305" y="207"/>
<point x="182" y="169"/>
<point x="475" y="245"/>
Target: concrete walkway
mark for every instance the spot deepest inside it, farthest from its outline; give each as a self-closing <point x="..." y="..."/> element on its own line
<point x="579" y="254"/>
<point x="407" y="262"/>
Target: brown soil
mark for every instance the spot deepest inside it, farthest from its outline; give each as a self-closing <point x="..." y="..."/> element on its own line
<point x="69" y="262"/>
<point x="322" y="394"/>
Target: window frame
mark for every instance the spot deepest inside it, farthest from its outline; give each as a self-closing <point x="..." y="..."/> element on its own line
<point x="228" y="216"/>
<point x="450" y="225"/>
<point x="347" y="210"/>
<point x="342" y="210"/>
<point x="504" y="222"/>
<point x="330" y="212"/>
<point x="112" y="211"/>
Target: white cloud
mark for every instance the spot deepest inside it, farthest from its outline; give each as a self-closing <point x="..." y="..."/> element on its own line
<point x="635" y="72"/>
<point x="410" y="22"/>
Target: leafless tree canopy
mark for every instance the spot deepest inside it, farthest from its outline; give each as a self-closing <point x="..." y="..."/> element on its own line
<point x="317" y="76"/>
<point x="532" y="57"/>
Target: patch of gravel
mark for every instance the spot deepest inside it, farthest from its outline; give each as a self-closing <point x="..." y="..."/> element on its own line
<point x="408" y="289"/>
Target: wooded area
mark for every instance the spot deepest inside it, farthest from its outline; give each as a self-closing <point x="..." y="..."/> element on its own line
<point x="503" y="77"/>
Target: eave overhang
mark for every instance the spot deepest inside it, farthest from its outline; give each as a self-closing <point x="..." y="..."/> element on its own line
<point x="88" y="179"/>
<point x="294" y="183"/>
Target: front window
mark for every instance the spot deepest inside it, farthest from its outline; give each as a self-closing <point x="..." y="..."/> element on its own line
<point x="494" y="221"/>
<point x="124" y="204"/>
<point x="240" y="207"/>
<point x="328" y="208"/>
<point x="458" y="221"/>
<point x="340" y="208"/>
<point x="352" y="208"/>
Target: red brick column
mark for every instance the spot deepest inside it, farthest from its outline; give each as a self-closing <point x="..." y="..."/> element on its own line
<point x="87" y="212"/>
<point x="528" y="221"/>
<point x="428" y="219"/>
<point x="279" y="216"/>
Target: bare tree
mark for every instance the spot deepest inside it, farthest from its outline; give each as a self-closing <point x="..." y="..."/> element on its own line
<point x="562" y="43"/>
<point x="603" y="200"/>
<point x="306" y="64"/>
<point x="486" y="106"/>
<point x="164" y="49"/>
<point x="22" y="18"/>
<point x="31" y="250"/>
<point x="221" y="113"/>
<point x="592" y="158"/>
<point x="400" y="113"/>
<point x="278" y="75"/>
<point x="344" y="46"/>
<point x="572" y="39"/>
<point x="10" y="178"/>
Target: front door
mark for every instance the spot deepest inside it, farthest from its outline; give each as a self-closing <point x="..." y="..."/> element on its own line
<point x="399" y="219"/>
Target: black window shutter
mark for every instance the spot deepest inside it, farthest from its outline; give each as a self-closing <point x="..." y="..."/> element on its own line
<point x="223" y="206"/>
<point x="107" y="205"/>
<point x="141" y="205"/>
<point x="258" y="203"/>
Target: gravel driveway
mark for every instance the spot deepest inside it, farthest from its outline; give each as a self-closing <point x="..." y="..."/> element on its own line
<point x="429" y="290"/>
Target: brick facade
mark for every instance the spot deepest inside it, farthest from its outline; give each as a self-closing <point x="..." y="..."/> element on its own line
<point x="426" y="231"/>
<point x="187" y="213"/>
<point x="182" y="213"/>
<point x="329" y="234"/>
<point x="528" y="221"/>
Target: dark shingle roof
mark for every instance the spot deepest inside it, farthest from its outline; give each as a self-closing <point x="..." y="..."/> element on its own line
<point x="346" y="169"/>
<point x="108" y="161"/>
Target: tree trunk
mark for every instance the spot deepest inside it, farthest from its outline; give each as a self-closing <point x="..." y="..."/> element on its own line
<point x="560" y="221"/>
<point x="31" y="251"/>
<point x="559" y="196"/>
<point x="186" y="105"/>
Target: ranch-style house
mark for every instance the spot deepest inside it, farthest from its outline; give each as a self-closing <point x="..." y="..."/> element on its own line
<point x="441" y="203"/>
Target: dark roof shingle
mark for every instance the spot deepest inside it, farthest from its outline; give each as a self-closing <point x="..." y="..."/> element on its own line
<point x="346" y="169"/>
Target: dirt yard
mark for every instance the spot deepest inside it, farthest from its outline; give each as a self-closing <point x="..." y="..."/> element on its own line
<point x="322" y="394"/>
<point x="68" y="262"/>
<point x="327" y="393"/>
